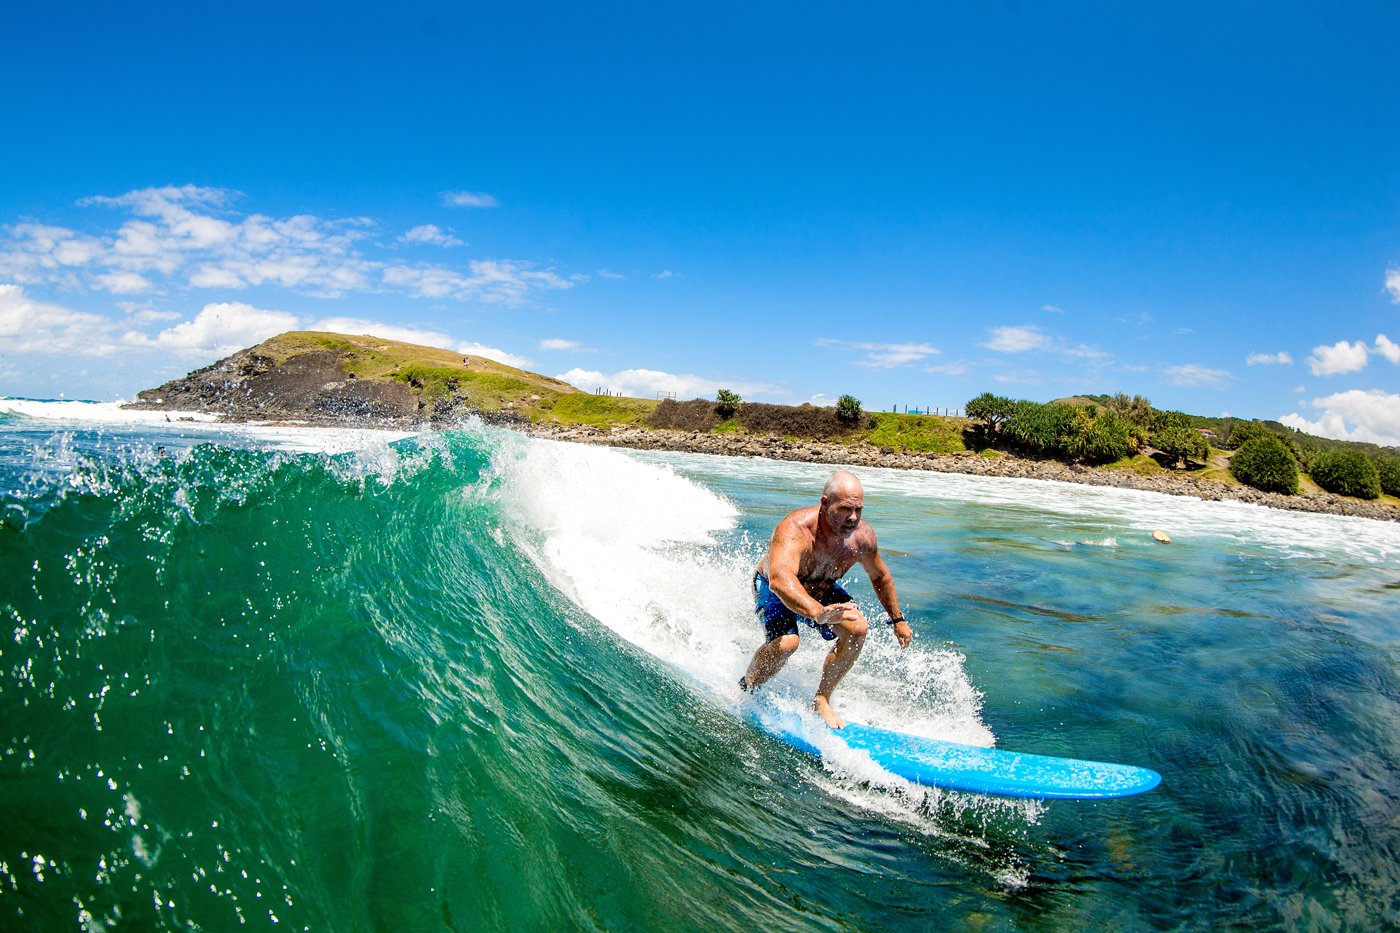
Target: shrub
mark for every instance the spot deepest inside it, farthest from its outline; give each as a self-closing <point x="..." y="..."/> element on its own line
<point x="1388" y="470"/>
<point x="1101" y="439"/>
<point x="727" y="403"/>
<point x="695" y="415"/>
<point x="1347" y="473"/>
<point x="991" y="410"/>
<point x="1266" y="463"/>
<point x="798" y="421"/>
<point x="1244" y="431"/>
<point x="1174" y="436"/>
<point x="1038" y="426"/>
<point x="848" y="408"/>
<point x="1136" y="410"/>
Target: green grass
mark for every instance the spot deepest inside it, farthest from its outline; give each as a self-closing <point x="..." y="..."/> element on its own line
<point x="1139" y="464"/>
<point x="928" y="433"/>
<point x="599" y="409"/>
<point x="731" y="426"/>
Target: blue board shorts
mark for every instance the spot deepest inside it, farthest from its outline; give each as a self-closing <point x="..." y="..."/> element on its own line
<point x="778" y="620"/>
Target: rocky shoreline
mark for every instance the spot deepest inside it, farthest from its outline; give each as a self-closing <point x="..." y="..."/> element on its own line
<point x="963" y="461"/>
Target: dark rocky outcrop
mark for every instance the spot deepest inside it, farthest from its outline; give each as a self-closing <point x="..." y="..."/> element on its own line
<point x="312" y="387"/>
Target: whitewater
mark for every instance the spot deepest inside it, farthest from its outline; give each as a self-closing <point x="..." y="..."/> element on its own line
<point x="271" y="675"/>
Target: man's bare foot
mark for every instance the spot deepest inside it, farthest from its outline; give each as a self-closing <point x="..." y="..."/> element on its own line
<point x="821" y="705"/>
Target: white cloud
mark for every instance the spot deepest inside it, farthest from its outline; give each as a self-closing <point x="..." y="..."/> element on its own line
<point x="1017" y="339"/>
<point x="1344" y="357"/>
<point x="1269" y="359"/>
<point x="430" y="235"/>
<point x="218" y="330"/>
<point x="1373" y="415"/>
<point x="357" y="326"/>
<point x="663" y="274"/>
<point x="884" y="355"/>
<point x="1392" y="284"/>
<point x="820" y="400"/>
<point x="186" y="237"/>
<point x="43" y="329"/>
<point x="123" y="283"/>
<point x="645" y="383"/>
<point x="1387" y="348"/>
<point x="1081" y="350"/>
<point x="494" y="281"/>
<point x="491" y="353"/>
<point x="427" y="338"/>
<point x="1300" y="389"/>
<point x="955" y="368"/>
<point x="1053" y="308"/>
<point x="610" y="275"/>
<point x="1195" y="376"/>
<point x="556" y="343"/>
<point x="1020" y="377"/>
<point x="469" y="199"/>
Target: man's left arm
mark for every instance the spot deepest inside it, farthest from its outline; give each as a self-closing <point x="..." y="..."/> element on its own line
<point x="883" y="582"/>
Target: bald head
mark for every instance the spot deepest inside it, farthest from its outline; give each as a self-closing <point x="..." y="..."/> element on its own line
<point x="842" y="484"/>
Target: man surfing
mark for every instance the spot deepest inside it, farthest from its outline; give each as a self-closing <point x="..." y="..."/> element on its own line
<point x="811" y="549"/>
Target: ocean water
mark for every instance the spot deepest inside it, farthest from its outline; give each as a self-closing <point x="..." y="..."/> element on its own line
<point x="297" y="679"/>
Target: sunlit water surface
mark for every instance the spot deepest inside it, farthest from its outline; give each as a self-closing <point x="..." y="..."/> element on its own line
<point x="351" y="680"/>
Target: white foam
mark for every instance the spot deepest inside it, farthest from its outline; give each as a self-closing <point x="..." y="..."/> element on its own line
<point x="95" y="412"/>
<point x="653" y="556"/>
<point x="1134" y="514"/>
<point x="71" y="415"/>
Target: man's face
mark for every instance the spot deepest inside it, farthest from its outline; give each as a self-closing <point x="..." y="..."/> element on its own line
<point x="843" y="511"/>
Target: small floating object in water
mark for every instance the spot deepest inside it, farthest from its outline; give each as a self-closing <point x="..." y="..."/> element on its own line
<point x="1162" y="536"/>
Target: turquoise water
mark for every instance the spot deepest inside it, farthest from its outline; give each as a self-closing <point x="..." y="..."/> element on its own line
<point x="319" y="681"/>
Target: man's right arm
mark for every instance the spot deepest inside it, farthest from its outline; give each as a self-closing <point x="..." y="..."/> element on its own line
<point x="784" y="560"/>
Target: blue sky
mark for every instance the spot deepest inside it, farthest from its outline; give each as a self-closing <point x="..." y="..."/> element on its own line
<point x="910" y="203"/>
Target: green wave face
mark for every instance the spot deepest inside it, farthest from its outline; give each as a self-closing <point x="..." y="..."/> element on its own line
<point x="473" y="682"/>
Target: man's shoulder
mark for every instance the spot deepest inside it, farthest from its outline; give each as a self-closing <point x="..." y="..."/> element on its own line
<point x="865" y="537"/>
<point x="803" y="517"/>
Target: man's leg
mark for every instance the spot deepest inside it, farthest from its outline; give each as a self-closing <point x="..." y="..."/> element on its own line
<point x="850" y="638"/>
<point x="768" y="660"/>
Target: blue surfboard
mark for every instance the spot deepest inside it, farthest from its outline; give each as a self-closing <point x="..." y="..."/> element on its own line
<point x="954" y="766"/>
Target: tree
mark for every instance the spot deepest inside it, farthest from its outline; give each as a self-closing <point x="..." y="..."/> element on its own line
<point x="1244" y="431"/>
<point x="1174" y="436"/>
<point x="1266" y="463"/>
<point x="1347" y="473"/>
<point x="1097" y="437"/>
<point x="1388" y="469"/>
<point x="991" y="410"/>
<point x="727" y="403"/>
<point x="1136" y="410"/>
<point x="848" y="408"/>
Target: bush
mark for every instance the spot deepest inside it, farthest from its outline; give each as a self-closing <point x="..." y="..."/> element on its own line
<point x="1136" y="410"/>
<point x="1174" y="436"/>
<point x="1347" y="473"/>
<point x="1266" y="463"/>
<point x="1243" y="432"/>
<point x="1104" y="438"/>
<point x="727" y="403"/>
<point x="991" y="410"/>
<point x="1388" y="470"/>
<point x="848" y="408"/>
<point x="1038" y="426"/>
<point x="695" y="415"/>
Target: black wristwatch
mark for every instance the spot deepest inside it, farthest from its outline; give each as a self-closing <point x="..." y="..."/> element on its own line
<point x="895" y="620"/>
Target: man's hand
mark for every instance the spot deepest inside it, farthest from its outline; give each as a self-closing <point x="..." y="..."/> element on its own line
<point x="903" y="633"/>
<point x="837" y="613"/>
